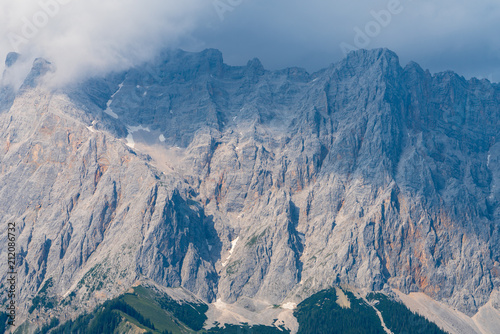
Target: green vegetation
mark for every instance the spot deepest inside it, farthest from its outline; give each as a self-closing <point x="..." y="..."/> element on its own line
<point x="148" y="303"/>
<point x="3" y="322"/>
<point x="144" y="308"/>
<point x="399" y="319"/>
<point x="152" y="311"/>
<point x="127" y="309"/>
<point x="254" y="238"/>
<point x="157" y="313"/>
<point x="252" y="241"/>
<point x="94" y="278"/>
<point x="104" y="321"/>
<point x="68" y="299"/>
<point x="193" y="315"/>
<point x="54" y="322"/>
<point x="42" y="300"/>
<point x="320" y="314"/>
<point x="233" y="267"/>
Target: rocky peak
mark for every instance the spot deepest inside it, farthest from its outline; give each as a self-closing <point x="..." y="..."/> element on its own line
<point x="363" y="59"/>
<point x="39" y="69"/>
<point x="187" y="65"/>
<point x="413" y="67"/>
<point x="255" y="67"/>
<point x="11" y="59"/>
<point x="213" y="56"/>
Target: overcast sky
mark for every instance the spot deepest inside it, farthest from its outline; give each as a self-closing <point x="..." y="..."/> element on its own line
<point x="91" y="36"/>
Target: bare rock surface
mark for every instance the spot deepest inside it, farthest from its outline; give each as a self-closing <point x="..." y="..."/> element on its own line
<point x="240" y="184"/>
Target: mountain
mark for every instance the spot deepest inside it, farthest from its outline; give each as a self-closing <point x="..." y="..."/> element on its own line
<point x="248" y="188"/>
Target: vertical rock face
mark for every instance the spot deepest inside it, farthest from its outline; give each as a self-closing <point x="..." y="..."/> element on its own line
<point x="239" y="183"/>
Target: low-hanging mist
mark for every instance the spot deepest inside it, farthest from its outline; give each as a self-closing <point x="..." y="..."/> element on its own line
<point x="83" y="38"/>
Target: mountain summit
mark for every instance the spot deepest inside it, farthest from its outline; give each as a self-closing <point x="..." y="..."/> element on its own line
<point x="249" y="188"/>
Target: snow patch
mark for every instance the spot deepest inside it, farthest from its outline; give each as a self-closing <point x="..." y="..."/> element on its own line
<point x="130" y="140"/>
<point x="137" y="128"/>
<point x="91" y="128"/>
<point x="289" y="306"/>
<point x="233" y="246"/>
<point x="162" y="138"/>
<point x="110" y="112"/>
<point x="131" y="130"/>
<point x="108" y="104"/>
<point x="488" y="162"/>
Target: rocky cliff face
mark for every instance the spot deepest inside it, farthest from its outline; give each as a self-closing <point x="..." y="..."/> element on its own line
<point x="238" y="183"/>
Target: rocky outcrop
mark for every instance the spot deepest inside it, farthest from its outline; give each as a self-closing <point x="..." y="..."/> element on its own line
<point x="240" y="183"/>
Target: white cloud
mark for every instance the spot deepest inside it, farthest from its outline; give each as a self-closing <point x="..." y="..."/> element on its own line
<point x="84" y="37"/>
<point x="90" y="36"/>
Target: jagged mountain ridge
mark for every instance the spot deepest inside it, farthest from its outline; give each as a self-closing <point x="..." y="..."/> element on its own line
<point x="254" y="186"/>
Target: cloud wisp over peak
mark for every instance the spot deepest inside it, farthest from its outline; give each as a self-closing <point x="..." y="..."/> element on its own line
<point x="87" y="37"/>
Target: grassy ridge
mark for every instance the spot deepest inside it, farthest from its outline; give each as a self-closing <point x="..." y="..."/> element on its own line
<point x="150" y="311"/>
<point x="157" y="313"/>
